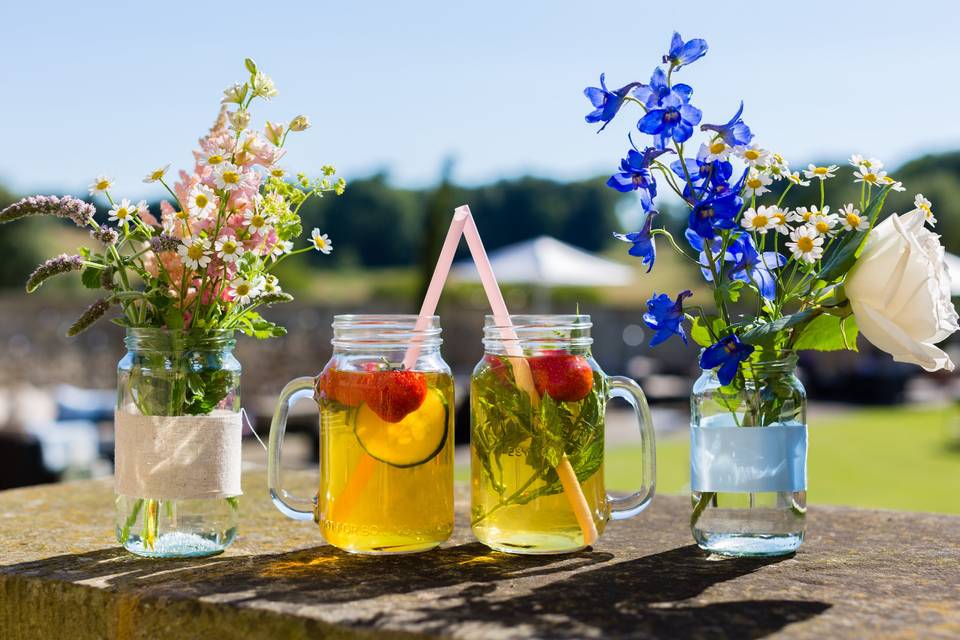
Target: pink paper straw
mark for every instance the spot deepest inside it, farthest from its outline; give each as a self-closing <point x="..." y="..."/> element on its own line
<point x="440" y="272"/>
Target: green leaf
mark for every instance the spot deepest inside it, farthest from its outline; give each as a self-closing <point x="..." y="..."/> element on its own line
<point x="845" y="255"/>
<point x="829" y="333"/>
<point x="91" y="277"/>
<point x="730" y="289"/>
<point x="765" y="334"/>
<point x="256" y="326"/>
<point x="700" y="333"/>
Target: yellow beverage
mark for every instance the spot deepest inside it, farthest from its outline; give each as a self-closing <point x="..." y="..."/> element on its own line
<point x="518" y="502"/>
<point x="386" y="485"/>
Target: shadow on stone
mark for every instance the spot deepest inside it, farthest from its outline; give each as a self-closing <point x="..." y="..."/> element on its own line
<point x="637" y="598"/>
<point x="568" y="596"/>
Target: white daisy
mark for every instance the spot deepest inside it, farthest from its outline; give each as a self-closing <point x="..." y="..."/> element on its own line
<point x="321" y="243"/>
<point x="778" y="169"/>
<point x="895" y="185"/>
<point x="201" y="201"/>
<point x="156" y="174"/>
<point x="255" y="221"/>
<point x="824" y="224"/>
<point x="228" y="248"/>
<point x="718" y="150"/>
<point x="100" y="184"/>
<point x="271" y="284"/>
<point x="281" y="247"/>
<point x="869" y="175"/>
<point x="230" y="177"/>
<point x="872" y="163"/>
<point x="243" y="290"/>
<point x="752" y="155"/>
<point x="779" y="218"/>
<point x="813" y="171"/>
<point x="804" y="215"/>
<point x="805" y="244"/>
<point x="756" y="184"/>
<point x="924" y="205"/>
<point x="759" y="219"/>
<point x="195" y="252"/>
<point x="796" y="179"/>
<point x="141" y="207"/>
<point x="122" y="211"/>
<point x="213" y="159"/>
<point x="856" y="160"/>
<point x="852" y="220"/>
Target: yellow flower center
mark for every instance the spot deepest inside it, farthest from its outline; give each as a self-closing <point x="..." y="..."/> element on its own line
<point x="760" y="221"/>
<point x="807" y="215"/>
<point x="215" y="159"/>
<point x="195" y="252"/>
<point x="718" y="147"/>
<point x="103" y="185"/>
<point x="320" y="242"/>
<point x="181" y="215"/>
<point x="277" y="172"/>
<point x="822" y="226"/>
<point x="754" y="183"/>
<point x="780" y="218"/>
<point x="156" y="175"/>
<point x="257" y="220"/>
<point x="820" y="171"/>
<point x="751" y="154"/>
<point x="122" y="213"/>
<point x="201" y="200"/>
<point x="231" y="177"/>
<point x="805" y="244"/>
<point x="229" y="247"/>
<point x="853" y="219"/>
<point x="870" y="177"/>
<point x="242" y="289"/>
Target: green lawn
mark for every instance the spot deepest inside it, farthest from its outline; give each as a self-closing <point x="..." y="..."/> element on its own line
<point x="896" y="458"/>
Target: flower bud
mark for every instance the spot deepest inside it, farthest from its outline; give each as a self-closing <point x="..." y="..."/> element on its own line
<point x="240" y="119"/>
<point x="300" y="123"/>
<point x="274" y="132"/>
<point x="250" y="65"/>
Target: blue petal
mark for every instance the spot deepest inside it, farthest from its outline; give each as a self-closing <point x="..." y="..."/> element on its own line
<point x="621" y="183"/>
<point x="728" y="371"/>
<point x="596" y="96"/>
<point x="714" y="355"/>
<point x="652" y="122"/>
<point x="682" y="131"/>
<point x="691" y="51"/>
<point x="690" y="114"/>
<point x="676" y="44"/>
<point x="685" y="91"/>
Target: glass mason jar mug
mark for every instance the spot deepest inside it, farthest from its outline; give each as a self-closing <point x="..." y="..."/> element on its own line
<point x="386" y="438"/>
<point x="178" y="438"/>
<point x="537" y="408"/>
<point x="748" y="460"/>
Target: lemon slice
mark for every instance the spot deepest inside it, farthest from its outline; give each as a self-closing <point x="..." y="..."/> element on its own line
<point x="414" y="440"/>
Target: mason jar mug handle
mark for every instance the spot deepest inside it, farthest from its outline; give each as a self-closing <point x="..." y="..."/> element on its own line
<point x="629" y="506"/>
<point x="288" y="504"/>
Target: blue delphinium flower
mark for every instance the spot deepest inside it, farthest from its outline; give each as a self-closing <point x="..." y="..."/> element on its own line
<point x="665" y="317"/>
<point x="727" y="354"/>
<point x="635" y="175"/>
<point x="674" y="119"/>
<point x="749" y="265"/>
<point x="652" y="95"/>
<point x="735" y="132"/>
<point x="643" y="244"/>
<point x="606" y="103"/>
<point x="715" y="212"/>
<point x="683" y="53"/>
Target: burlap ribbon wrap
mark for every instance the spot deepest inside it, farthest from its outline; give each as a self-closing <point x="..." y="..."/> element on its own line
<point x="178" y="457"/>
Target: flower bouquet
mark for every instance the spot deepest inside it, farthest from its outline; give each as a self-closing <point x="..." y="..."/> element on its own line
<point x="783" y="280"/>
<point x="183" y="280"/>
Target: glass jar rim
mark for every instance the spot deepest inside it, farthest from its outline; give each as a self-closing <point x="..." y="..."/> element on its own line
<point x="163" y="339"/>
<point x="537" y="332"/>
<point x="385" y="331"/>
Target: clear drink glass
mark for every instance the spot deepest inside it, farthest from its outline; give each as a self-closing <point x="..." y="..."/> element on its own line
<point x="537" y="438"/>
<point x="386" y="439"/>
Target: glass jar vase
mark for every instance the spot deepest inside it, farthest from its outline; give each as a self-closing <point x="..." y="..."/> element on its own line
<point x="748" y="460"/>
<point x="177" y="443"/>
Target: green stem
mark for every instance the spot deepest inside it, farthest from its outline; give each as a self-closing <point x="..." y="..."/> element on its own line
<point x="701" y="506"/>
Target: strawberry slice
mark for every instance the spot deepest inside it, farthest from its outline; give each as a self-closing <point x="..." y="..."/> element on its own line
<point x="346" y="387"/>
<point x="566" y="377"/>
<point x="394" y="394"/>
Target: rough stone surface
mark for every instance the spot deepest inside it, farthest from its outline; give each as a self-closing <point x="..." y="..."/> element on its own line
<point x="861" y="574"/>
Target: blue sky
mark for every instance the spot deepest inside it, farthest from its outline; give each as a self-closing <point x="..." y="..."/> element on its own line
<point x="496" y="85"/>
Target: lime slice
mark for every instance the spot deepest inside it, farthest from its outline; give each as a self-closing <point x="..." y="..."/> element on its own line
<point x="414" y="440"/>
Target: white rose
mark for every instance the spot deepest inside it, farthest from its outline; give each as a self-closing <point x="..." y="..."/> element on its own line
<point x="899" y="290"/>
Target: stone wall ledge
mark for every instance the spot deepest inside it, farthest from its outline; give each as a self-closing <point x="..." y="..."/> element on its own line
<point x="860" y="574"/>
